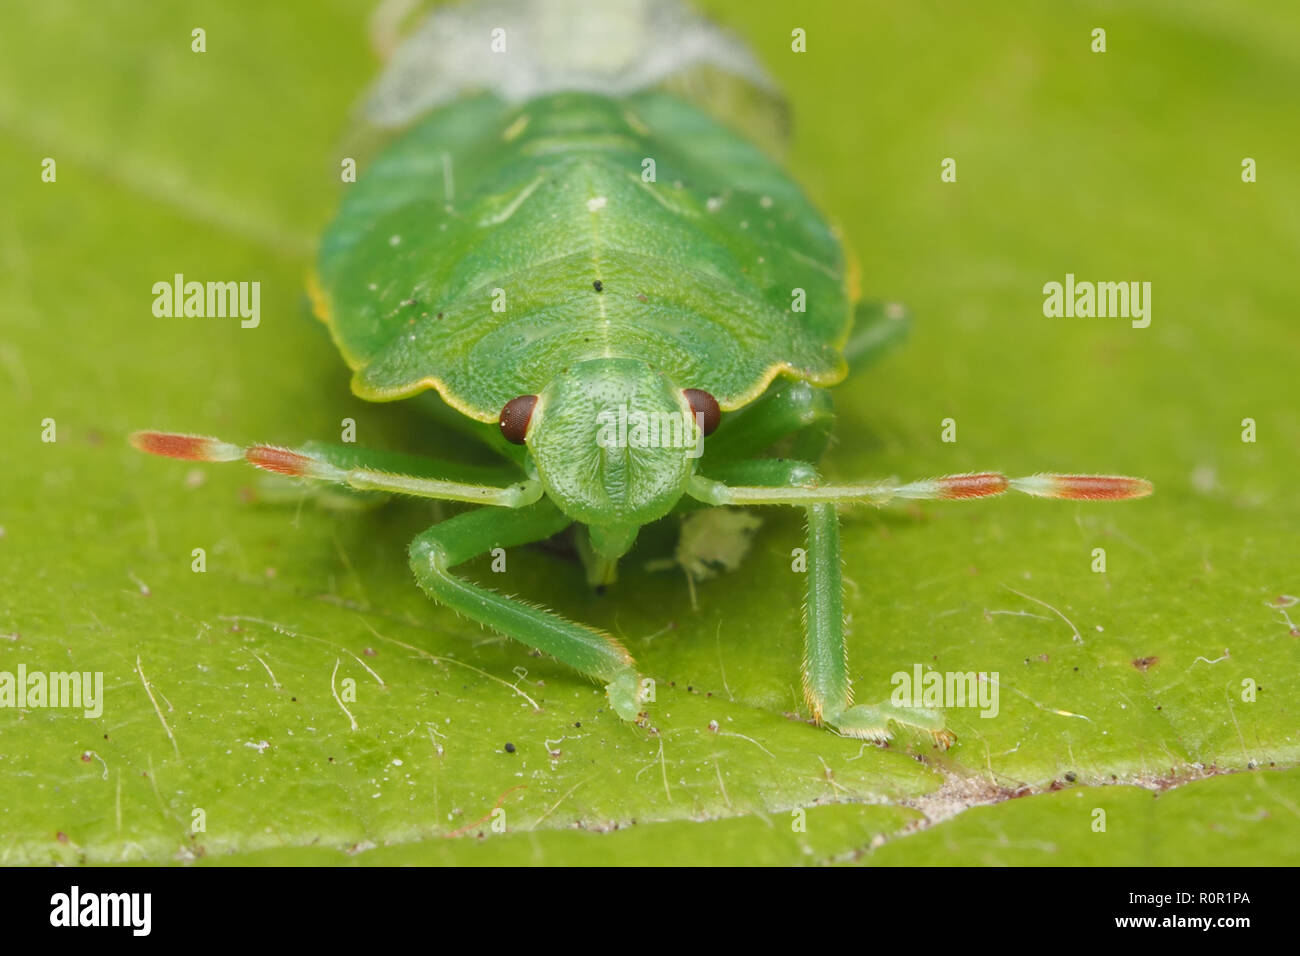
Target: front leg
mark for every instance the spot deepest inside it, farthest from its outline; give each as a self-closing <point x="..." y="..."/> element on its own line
<point x="827" y="689"/>
<point x="788" y="408"/>
<point x="594" y="653"/>
<point x="826" y="685"/>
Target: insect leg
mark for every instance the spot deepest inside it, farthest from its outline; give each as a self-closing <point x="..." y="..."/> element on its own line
<point x="594" y="653"/>
<point x="825" y="672"/>
<point x="774" y="473"/>
<point x="877" y="327"/>
<point x="800" y="408"/>
<point x="786" y="409"/>
<point x="826" y="685"/>
<point x="354" y="468"/>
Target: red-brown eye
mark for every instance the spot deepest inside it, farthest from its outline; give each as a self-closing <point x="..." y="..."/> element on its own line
<point x="704" y="407"/>
<point x="516" y="416"/>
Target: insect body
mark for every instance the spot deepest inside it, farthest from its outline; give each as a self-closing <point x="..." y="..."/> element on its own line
<point x="511" y="252"/>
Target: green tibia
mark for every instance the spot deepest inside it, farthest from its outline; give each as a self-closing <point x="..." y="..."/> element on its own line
<point x="612" y="440"/>
<point x="786" y="408"/>
<point x="826" y="678"/>
<point x="594" y="653"/>
<point x="826" y="685"/>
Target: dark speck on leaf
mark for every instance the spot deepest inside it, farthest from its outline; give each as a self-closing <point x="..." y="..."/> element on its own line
<point x="1145" y="663"/>
<point x="598" y="286"/>
<point x="641" y="296"/>
<point x="600" y="589"/>
<point x="510" y="748"/>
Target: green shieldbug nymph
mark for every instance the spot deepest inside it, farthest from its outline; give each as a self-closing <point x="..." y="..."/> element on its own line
<point x="589" y="265"/>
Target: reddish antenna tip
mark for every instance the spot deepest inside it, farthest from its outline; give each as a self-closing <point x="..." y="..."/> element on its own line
<point x="1084" y="487"/>
<point x="185" y="447"/>
<point x="1102" y="487"/>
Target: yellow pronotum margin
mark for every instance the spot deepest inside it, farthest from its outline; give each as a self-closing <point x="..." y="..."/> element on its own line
<point x="320" y="308"/>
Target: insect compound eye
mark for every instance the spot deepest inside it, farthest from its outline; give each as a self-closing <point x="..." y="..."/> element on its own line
<point x="516" y="416"/>
<point x="705" y="408"/>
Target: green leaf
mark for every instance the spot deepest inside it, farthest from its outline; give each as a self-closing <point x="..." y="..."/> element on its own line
<point x="1243" y="819"/>
<point x="231" y="691"/>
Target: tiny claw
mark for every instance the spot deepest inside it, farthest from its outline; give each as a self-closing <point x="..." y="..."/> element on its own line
<point x="944" y="738"/>
<point x="185" y="447"/>
<point x="624" y="694"/>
